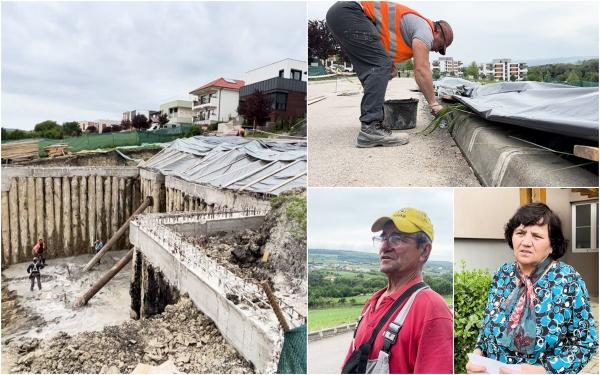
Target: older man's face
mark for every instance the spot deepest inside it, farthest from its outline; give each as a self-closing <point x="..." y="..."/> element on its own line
<point x="401" y="256"/>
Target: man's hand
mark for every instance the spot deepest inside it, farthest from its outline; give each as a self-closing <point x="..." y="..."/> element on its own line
<point x="473" y="368"/>
<point x="525" y="369"/>
<point x="394" y="72"/>
<point x="435" y="108"/>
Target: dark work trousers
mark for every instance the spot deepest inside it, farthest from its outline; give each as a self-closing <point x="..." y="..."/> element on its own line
<point x="33" y="277"/>
<point x="360" y="41"/>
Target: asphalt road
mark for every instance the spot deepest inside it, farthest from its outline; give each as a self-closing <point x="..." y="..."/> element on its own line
<point x="333" y="160"/>
<point x="326" y="356"/>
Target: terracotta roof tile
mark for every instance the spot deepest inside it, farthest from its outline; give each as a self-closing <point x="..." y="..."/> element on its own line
<point x="226" y="83"/>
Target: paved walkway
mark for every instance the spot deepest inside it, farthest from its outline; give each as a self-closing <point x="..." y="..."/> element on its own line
<point x="326" y="356"/>
<point x="333" y="125"/>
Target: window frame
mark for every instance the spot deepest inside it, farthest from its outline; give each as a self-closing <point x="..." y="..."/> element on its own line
<point x="593" y="227"/>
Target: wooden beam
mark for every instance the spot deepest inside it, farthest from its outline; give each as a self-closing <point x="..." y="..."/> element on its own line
<point x="524" y="196"/>
<point x="538" y="195"/>
<point x="586" y="152"/>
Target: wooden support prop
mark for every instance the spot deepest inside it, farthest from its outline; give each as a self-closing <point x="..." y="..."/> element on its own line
<point x="268" y="175"/>
<point x="13" y="209"/>
<point x="23" y="215"/>
<point x="31" y="206"/>
<point x="91" y="210"/>
<point x="287" y="182"/>
<point x="99" y="209"/>
<point x="49" y="197"/>
<point x="275" y="305"/>
<point x="55" y="249"/>
<point x="5" y="229"/>
<point x="75" y="220"/>
<point x="83" y="223"/>
<point x="66" y="216"/>
<point x="39" y="208"/>
<point x="586" y="152"/>
<point x="83" y="300"/>
<point x="147" y="203"/>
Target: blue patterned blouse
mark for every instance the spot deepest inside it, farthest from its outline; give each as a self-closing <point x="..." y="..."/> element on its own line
<point x="566" y="333"/>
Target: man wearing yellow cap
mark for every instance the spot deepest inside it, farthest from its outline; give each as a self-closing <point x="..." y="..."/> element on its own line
<point x="406" y="327"/>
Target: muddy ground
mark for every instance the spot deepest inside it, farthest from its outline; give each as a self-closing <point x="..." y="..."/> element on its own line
<point x="181" y="334"/>
<point x="42" y="333"/>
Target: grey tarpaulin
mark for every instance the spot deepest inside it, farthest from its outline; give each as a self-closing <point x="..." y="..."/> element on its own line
<point x="448" y="86"/>
<point x="555" y="108"/>
<point x="234" y="163"/>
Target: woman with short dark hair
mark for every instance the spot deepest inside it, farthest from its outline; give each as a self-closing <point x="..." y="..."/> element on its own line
<point x="538" y="310"/>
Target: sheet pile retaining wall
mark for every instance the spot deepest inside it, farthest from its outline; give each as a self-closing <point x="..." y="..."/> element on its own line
<point x="68" y="207"/>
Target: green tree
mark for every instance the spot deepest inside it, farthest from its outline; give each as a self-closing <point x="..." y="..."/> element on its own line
<point x="140" y="122"/>
<point x="435" y="75"/>
<point x="513" y="78"/>
<point x="48" y="129"/>
<point x="472" y="70"/>
<point x="163" y="119"/>
<point x="126" y="124"/>
<point x="255" y="108"/>
<point x="71" y="129"/>
<point x="573" y="77"/>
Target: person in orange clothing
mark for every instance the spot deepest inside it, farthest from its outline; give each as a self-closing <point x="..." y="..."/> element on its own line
<point x="375" y="35"/>
<point x="406" y="327"/>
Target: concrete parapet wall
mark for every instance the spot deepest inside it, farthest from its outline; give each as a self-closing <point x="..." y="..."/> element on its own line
<point x="188" y="196"/>
<point x="328" y="332"/>
<point x="219" y="225"/>
<point x="68" y="207"/>
<point x="500" y="160"/>
<point x="253" y="330"/>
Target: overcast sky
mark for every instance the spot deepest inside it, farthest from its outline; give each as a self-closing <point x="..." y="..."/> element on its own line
<point x="485" y="30"/>
<point x="68" y="61"/>
<point x="341" y="218"/>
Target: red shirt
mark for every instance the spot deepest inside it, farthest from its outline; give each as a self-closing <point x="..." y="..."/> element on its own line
<point x="424" y="345"/>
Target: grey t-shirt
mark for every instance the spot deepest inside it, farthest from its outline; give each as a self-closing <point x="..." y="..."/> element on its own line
<point x="413" y="26"/>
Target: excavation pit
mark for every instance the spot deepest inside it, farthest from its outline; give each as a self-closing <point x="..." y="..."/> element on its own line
<point x="180" y="247"/>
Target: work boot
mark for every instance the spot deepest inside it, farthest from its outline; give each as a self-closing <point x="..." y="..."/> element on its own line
<point x="375" y="134"/>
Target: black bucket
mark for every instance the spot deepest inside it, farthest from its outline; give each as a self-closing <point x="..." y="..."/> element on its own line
<point x="400" y="114"/>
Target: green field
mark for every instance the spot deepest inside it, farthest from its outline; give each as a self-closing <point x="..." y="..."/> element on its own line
<point x="334" y="316"/>
<point x="331" y="317"/>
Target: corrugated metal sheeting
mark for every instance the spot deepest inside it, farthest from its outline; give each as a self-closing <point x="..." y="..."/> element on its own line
<point x="260" y="166"/>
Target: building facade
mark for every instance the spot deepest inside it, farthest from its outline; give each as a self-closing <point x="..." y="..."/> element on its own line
<point x="178" y="111"/>
<point x="447" y="66"/>
<point x="286" y="68"/>
<point x="504" y="70"/>
<point x="216" y="101"/>
<point x="151" y="115"/>
<point x="284" y="82"/>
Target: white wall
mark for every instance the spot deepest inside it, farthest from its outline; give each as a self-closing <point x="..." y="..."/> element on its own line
<point x="229" y="102"/>
<point x="272" y="70"/>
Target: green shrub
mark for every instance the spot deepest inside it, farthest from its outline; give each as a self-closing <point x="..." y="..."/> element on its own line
<point x="470" y="294"/>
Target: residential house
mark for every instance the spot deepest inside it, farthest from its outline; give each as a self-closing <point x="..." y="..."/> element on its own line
<point x="481" y="214"/>
<point x="100" y="125"/>
<point x="286" y="68"/>
<point x="179" y="112"/>
<point x="285" y="83"/>
<point x="504" y="70"/>
<point x="447" y="66"/>
<point x="153" y="116"/>
<point x="216" y="101"/>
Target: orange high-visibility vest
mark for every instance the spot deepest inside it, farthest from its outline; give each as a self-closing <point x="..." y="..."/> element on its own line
<point x="386" y="16"/>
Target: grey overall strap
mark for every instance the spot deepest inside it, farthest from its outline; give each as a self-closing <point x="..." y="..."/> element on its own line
<point x="391" y="333"/>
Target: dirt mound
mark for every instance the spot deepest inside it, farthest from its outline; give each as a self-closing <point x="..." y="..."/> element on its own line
<point x="181" y="334"/>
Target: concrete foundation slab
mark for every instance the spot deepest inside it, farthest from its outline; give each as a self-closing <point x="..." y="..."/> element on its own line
<point x="500" y="160"/>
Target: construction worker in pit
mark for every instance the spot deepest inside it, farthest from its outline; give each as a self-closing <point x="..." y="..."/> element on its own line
<point x="38" y="251"/>
<point x="375" y="36"/>
<point x="34" y="273"/>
